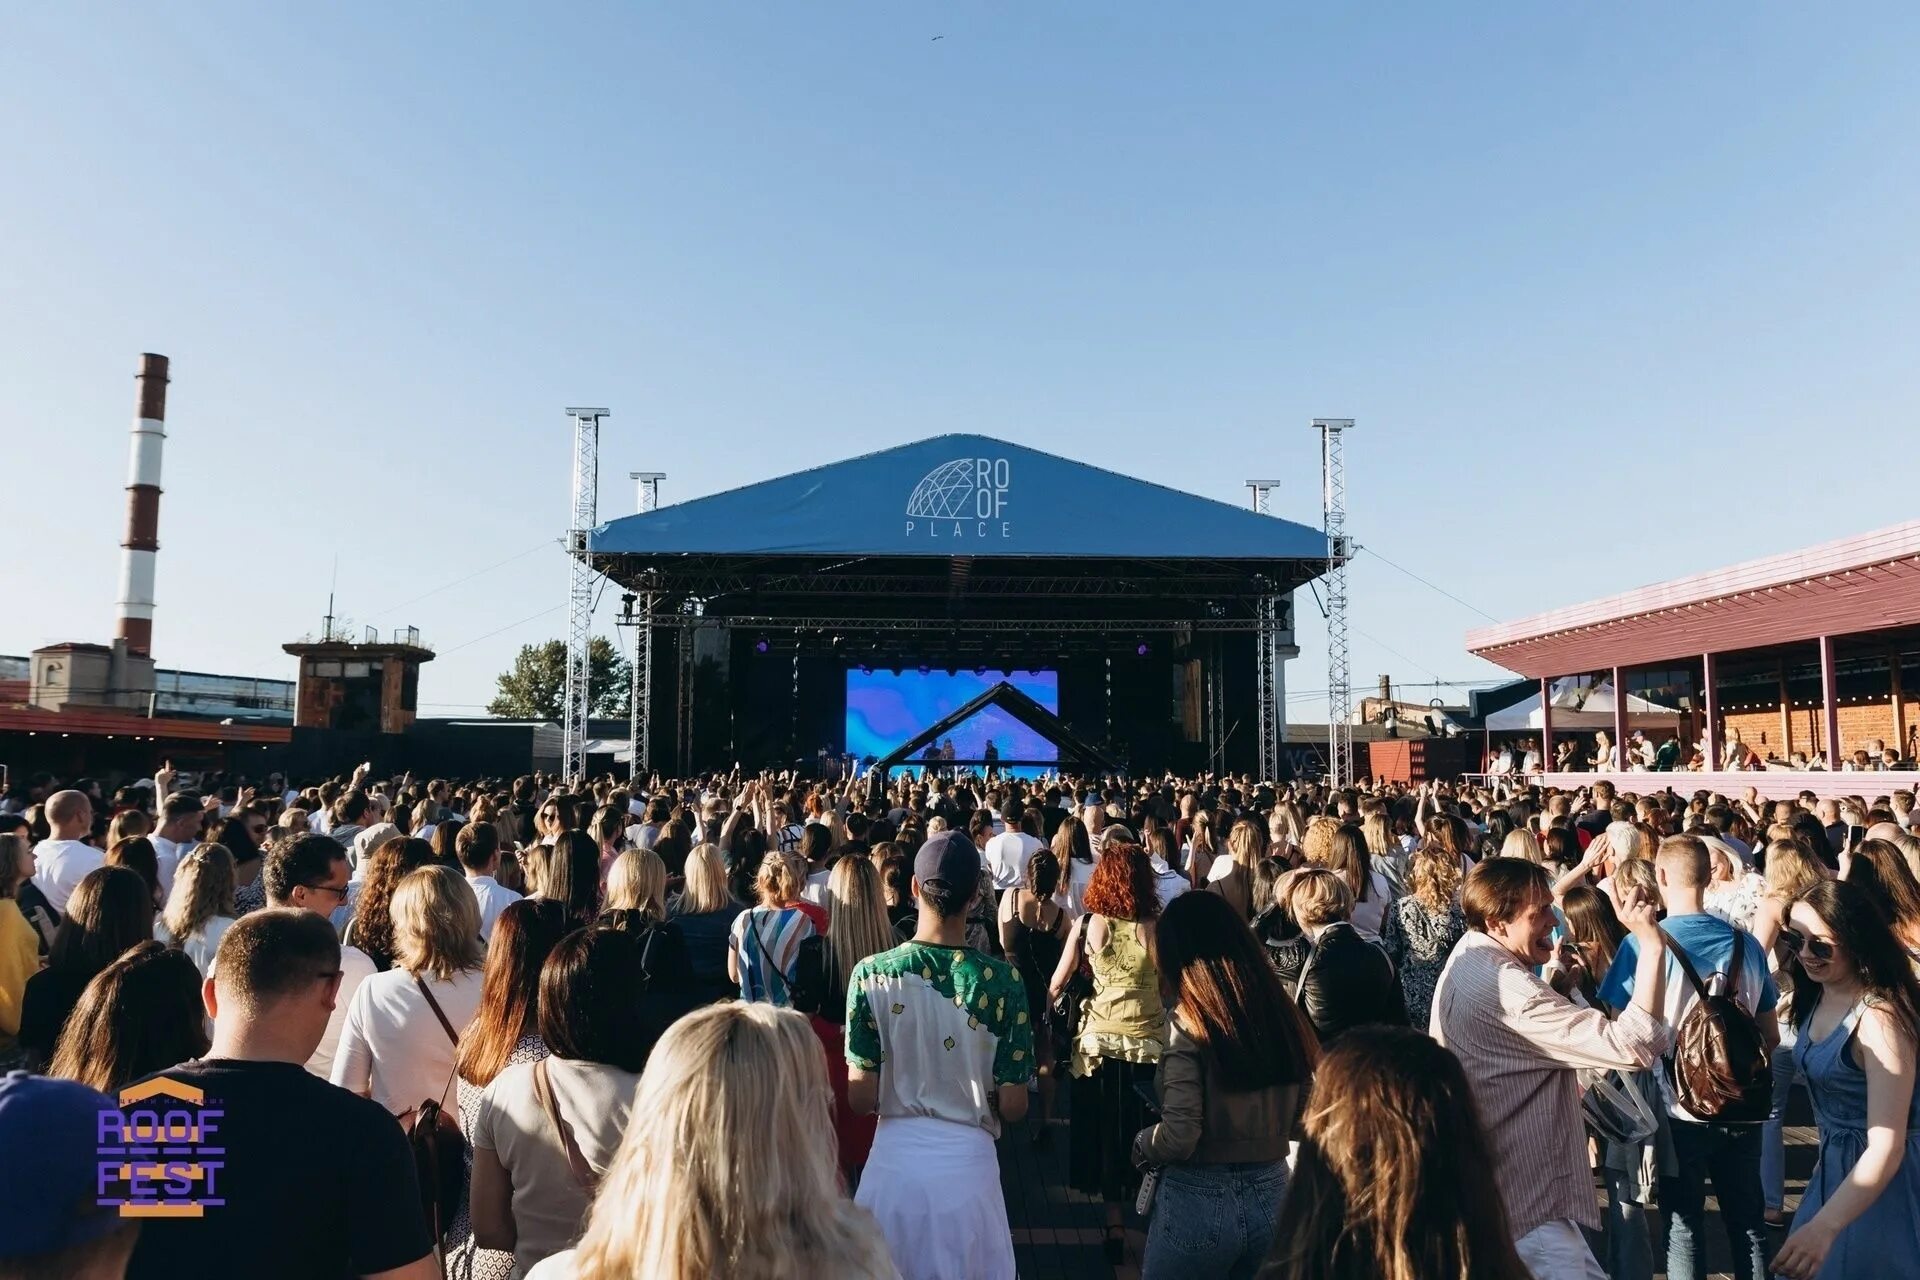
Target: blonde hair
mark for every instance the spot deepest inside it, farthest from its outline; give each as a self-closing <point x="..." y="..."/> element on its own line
<point x="1344" y="853"/>
<point x="1626" y="842"/>
<point x="1317" y="896"/>
<point x="857" y="924"/>
<point x="1791" y="870"/>
<point x="436" y="923"/>
<point x="1635" y="873"/>
<point x="202" y="889"/>
<point x="684" y="1199"/>
<point x="1522" y="843"/>
<point x="1202" y="838"/>
<point x="1316" y="845"/>
<point x="1247" y="843"/>
<point x="533" y="867"/>
<point x="777" y="880"/>
<point x="1433" y="876"/>
<point x="637" y="881"/>
<point x="706" y="881"/>
<point x="1378" y="835"/>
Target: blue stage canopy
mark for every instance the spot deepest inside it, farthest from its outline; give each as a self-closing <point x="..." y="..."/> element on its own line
<point x="960" y="495"/>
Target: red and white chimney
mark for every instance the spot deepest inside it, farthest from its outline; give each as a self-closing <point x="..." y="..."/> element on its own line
<point x="142" y="542"/>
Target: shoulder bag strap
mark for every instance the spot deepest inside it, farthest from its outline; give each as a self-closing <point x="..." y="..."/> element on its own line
<point x="1686" y="965"/>
<point x="767" y="959"/>
<point x="439" y="1013"/>
<point x="576" y="1163"/>
<point x="452" y="1035"/>
<point x="1300" y="982"/>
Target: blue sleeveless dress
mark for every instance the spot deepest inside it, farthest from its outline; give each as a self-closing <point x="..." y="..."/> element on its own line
<point x="1884" y="1242"/>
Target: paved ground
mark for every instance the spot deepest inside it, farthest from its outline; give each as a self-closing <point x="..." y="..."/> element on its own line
<point x="1057" y="1231"/>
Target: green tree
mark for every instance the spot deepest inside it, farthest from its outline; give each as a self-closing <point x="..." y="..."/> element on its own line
<point x="536" y="686"/>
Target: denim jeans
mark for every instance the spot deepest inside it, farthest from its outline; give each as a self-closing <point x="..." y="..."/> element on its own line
<point x="1213" y="1220"/>
<point x="1773" y="1135"/>
<point x="1629" y="1235"/>
<point x="1730" y="1155"/>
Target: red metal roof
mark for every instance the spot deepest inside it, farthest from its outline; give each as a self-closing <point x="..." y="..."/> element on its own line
<point x="1853" y="585"/>
<point x="103" y="723"/>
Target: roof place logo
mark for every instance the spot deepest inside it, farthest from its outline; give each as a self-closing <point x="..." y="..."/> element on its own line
<point x="159" y="1152"/>
<point x="963" y="499"/>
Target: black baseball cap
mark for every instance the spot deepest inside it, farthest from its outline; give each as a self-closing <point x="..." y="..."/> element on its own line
<point x="948" y="861"/>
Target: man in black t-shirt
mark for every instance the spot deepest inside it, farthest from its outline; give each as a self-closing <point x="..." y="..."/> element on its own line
<point x="299" y="1178"/>
<point x="1596" y="819"/>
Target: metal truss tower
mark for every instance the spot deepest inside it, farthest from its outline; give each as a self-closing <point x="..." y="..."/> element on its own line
<point x="1269" y="682"/>
<point x="1333" y="504"/>
<point x="583" y="517"/>
<point x="640" y="692"/>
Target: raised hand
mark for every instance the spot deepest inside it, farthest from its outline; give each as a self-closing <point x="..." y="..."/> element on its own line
<point x="1640" y="913"/>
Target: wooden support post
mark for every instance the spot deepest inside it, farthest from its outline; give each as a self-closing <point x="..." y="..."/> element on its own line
<point x="1619" y="722"/>
<point x="1715" y="756"/>
<point x="1898" y="696"/>
<point x="1546" y="725"/>
<point x="1786" y="714"/>
<point x="1830" y="702"/>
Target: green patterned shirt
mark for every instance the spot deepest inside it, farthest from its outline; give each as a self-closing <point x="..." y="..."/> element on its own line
<point x="943" y="1027"/>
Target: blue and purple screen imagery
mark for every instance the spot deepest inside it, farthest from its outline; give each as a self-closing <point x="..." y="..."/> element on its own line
<point x="885" y="709"/>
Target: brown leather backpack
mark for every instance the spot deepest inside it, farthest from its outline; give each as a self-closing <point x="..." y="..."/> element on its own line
<point x="1719" y="1069"/>
<point x="439" y="1148"/>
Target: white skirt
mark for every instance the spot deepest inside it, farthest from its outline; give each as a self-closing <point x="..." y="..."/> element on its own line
<point x="934" y="1187"/>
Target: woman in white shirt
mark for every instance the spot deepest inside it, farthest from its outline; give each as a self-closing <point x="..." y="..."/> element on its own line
<point x="397" y="1046"/>
<point x="1073" y="848"/>
<point x="546" y="1131"/>
<point x="679" y="1201"/>
<point x="200" y="909"/>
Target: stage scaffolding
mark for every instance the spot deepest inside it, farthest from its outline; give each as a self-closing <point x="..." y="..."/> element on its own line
<point x="963" y="551"/>
<point x="1268" y="619"/>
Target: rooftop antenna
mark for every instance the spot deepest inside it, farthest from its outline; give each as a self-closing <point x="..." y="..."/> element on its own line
<point x="1333" y="507"/>
<point x="332" y="583"/>
<point x="583" y="516"/>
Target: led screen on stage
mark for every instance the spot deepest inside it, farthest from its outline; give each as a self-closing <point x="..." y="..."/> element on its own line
<point x="885" y="709"/>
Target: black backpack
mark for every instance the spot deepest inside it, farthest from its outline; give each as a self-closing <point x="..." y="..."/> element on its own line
<point x="1719" y="1069"/>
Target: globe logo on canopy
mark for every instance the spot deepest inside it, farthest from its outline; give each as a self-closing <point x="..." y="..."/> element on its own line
<point x="966" y="497"/>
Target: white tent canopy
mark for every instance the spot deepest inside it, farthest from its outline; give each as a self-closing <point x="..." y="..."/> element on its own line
<point x="1579" y="706"/>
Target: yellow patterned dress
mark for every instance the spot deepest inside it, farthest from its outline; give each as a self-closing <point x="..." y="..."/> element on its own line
<point x="1122" y="1032"/>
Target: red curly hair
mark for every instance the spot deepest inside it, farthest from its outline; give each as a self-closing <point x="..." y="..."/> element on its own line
<point x="1122" y="887"/>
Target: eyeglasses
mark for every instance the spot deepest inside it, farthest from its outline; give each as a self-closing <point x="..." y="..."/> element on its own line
<point x="340" y="893"/>
<point x="1796" y="942"/>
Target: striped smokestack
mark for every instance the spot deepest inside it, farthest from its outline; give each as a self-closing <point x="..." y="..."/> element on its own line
<point x="143" y="506"/>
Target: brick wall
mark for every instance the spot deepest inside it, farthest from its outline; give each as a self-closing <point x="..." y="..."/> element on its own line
<point x="1858" y="723"/>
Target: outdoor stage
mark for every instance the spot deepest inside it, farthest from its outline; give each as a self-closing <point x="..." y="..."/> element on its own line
<point x="1159" y="622"/>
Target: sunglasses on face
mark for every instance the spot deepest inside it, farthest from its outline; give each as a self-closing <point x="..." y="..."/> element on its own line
<point x="1800" y="944"/>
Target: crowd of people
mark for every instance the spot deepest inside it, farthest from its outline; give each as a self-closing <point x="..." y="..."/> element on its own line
<point x="754" y="1026"/>
<point x="1599" y="753"/>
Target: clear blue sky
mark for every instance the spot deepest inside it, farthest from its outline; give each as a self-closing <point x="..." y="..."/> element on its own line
<point x="1614" y="292"/>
